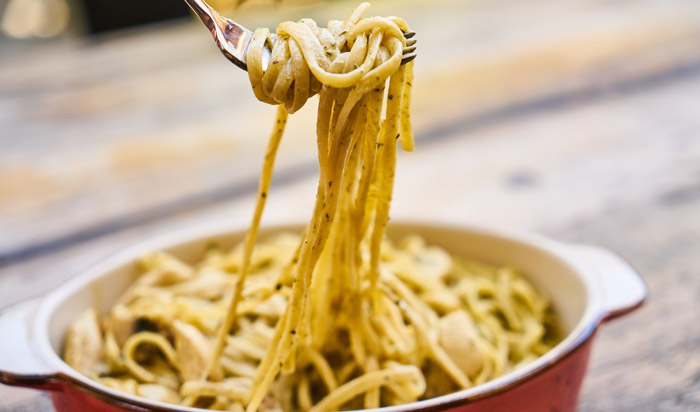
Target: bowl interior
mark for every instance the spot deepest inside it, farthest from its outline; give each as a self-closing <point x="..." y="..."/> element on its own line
<point x="534" y="257"/>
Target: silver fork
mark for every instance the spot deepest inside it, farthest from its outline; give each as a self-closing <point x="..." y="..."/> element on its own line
<point x="233" y="39"/>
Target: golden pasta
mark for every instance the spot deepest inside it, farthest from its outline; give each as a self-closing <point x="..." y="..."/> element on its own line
<point x="338" y="317"/>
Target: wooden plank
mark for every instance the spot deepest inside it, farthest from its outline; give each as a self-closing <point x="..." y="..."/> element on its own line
<point x="621" y="171"/>
<point x="110" y="134"/>
<point x="577" y="120"/>
<point x="656" y="348"/>
<point x="558" y="167"/>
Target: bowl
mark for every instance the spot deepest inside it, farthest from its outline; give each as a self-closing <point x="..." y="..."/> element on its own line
<point x="587" y="286"/>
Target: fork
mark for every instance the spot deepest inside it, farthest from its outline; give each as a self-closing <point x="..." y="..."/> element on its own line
<point x="233" y="39"/>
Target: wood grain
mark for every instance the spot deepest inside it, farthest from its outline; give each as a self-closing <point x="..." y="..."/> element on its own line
<point x="166" y="144"/>
<point x="587" y="187"/>
<point x="578" y="120"/>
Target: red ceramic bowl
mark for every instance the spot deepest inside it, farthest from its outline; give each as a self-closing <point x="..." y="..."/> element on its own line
<point x="587" y="286"/>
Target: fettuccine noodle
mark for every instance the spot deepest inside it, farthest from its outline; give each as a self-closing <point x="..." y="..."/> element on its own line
<point x="339" y="318"/>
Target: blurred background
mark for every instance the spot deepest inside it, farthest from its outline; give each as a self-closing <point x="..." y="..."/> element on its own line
<point x="578" y="119"/>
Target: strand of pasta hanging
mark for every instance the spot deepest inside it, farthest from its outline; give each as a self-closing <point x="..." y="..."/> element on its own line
<point x="337" y="318"/>
<point x="349" y="64"/>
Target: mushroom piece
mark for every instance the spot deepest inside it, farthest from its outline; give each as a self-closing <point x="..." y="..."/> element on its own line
<point x="458" y="336"/>
<point x="121" y="322"/>
<point x="113" y="353"/>
<point x="158" y="393"/>
<point x="84" y="344"/>
<point x="193" y="350"/>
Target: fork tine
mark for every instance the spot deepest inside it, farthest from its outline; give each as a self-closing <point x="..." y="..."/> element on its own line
<point x="407" y="58"/>
<point x="409" y="51"/>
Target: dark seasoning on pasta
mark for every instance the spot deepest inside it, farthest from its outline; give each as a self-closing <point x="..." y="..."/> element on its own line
<point x="338" y="317"/>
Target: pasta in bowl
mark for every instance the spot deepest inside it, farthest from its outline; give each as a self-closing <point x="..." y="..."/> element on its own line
<point x="444" y="324"/>
<point x="586" y="285"/>
<point x="341" y="313"/>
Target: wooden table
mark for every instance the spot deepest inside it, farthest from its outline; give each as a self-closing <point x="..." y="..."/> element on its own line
<point x="579" y="120"/>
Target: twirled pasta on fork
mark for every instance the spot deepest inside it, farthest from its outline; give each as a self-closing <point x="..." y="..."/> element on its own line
<point x="339" y="317"/>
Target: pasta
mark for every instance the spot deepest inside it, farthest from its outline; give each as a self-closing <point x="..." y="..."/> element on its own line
<point x="337" y="318"/>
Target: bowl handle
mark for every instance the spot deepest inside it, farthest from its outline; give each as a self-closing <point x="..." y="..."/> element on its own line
<point x="19" y="363"/>
<point x="623" y="288"/>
